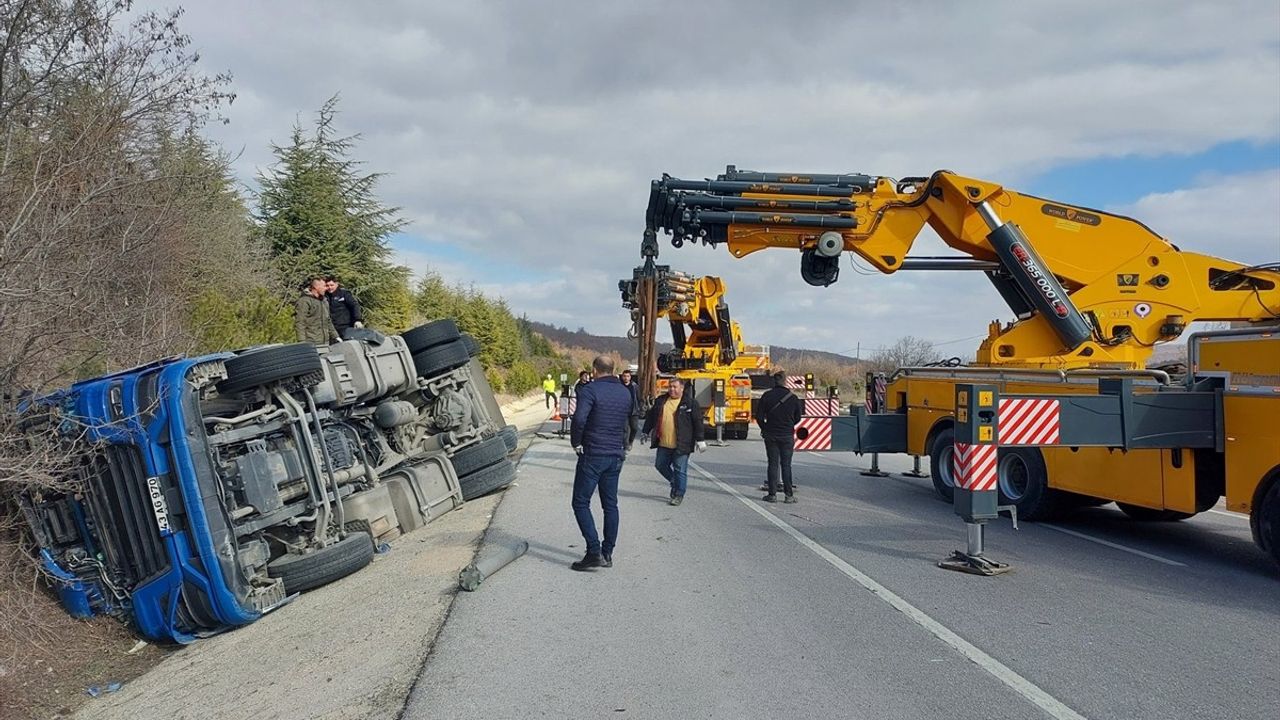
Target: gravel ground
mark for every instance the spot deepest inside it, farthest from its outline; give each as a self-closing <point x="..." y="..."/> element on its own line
<point x="351" y="649"/>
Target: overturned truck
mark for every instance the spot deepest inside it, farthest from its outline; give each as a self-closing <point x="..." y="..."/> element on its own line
<point x="207" y="491"/>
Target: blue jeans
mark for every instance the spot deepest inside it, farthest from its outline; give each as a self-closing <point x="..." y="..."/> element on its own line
<point x="674" y="466"/>
<point x="597" y="471"/>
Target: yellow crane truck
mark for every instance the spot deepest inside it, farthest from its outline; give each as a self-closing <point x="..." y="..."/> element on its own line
<point x="708" y="352"/>
<point x="1091" y="293"/>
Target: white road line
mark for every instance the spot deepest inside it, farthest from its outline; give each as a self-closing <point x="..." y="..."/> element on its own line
<point x="1024" y="687"/>
<point x="1110" y="544"/>
<point x="1238" y="516"/>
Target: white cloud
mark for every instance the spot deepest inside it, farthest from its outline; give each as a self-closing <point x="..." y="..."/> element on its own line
<point x="529" y="135"/>
<point x="1236" y="217"/>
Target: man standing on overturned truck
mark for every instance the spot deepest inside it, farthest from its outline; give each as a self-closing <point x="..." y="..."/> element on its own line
<point x="311" y="315"/>
<point x="598" y="434"/>
<point x="344" y="309"/>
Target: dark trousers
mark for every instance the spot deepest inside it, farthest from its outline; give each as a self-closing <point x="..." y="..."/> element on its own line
<point x="597" y="471"/>
<point x="779" y="453"/>
<point x="550" y="398"/>
<point x="633" y="429"/>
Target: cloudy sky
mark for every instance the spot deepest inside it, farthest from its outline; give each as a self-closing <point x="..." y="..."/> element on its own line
<point x="520" y="137"/>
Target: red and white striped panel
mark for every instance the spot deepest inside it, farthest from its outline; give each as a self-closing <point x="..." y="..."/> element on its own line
<point x="795" y="382"/>
<point x="1028" y="421"/>
<point x="819" y="433"/>
<point x="568" y="405"/>
<point x="974" y="466"/>
<point x="824" y="407"/>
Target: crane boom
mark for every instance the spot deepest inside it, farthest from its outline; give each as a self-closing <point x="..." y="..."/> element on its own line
<point x="1088" y="288"/>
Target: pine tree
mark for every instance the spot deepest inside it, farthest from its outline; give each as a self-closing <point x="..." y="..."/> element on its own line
<point x="319" y="214"/>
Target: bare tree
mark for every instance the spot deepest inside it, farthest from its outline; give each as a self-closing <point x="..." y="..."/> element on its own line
<point x="907" y="351"/>
<point x="104" y="185"/>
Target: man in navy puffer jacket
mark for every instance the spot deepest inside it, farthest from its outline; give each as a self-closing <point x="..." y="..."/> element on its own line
<point x="598" y="434"/>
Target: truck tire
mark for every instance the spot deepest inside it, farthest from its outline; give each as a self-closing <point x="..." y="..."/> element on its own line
<point x="941" y="453"/>
<point x="436" y="332"/>
<point x="1023" y="480"/>
<point x="472" y="345"/>
<point x="304" y="572"/>
<point x="479" y="455"/>
<point x="1266" y="521"/>
<point x="1146" y="514"/>
<point x="440" y="359"/>
<point x="298" y="363"/>
<point x="511" y="436"/>
<point x="485" y="481"/>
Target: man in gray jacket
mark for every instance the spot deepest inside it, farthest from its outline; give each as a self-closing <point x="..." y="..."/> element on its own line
<point x="311" y="315"/>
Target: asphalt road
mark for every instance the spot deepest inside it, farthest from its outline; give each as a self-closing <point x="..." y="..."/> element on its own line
<point x="729" y="608"/>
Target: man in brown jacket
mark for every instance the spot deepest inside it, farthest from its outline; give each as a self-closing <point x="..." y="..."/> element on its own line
<point x="311" y="315"/>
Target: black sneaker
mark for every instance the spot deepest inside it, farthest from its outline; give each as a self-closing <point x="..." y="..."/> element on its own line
<point x="587" y="562"/>
<point x="790" y="499"/>
<point x="606" y="561"/>
<point x="770" y="498"/>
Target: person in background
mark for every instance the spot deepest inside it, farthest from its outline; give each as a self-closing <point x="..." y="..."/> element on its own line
<point x="598" y="435"/>
<point x="311" y="315"/>
<point x="675" y="425"/>
<point x="343" y="308"/>
<point x="584" y="377"/>
<point x="779" y="411"/>
<point x="549" y="390"/>
<point x="633" y="422"/>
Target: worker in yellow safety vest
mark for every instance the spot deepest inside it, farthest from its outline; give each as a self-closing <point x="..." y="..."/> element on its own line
<point x="549" y="389"/>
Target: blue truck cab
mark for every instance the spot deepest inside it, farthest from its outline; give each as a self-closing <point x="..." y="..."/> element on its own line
<point x="203" y="492"/>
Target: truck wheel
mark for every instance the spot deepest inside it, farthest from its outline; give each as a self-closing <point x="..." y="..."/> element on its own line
<point x="479" y="455"/>
<point x="436" y="332"/>
<point x="298" y="362"/>
<point x="440" y="359"/>
<point x="304" y="572"/>
<point x="485" y="481"/>
<point x="941" y="453"/>
<point x="472" y="345"/>
<point x="1266" y="521"/>
<point x="511" y="436"/>
<point x="1023" y="480"/>
<point x="1146" y="514"/>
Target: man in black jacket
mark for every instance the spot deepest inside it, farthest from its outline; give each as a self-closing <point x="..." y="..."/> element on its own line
<point x="598" y="434"/>
<point x="633" y="423"/>
<point x="779" y="412"/>
<point x="343" y="307"/>
<point x="675" y="425"/>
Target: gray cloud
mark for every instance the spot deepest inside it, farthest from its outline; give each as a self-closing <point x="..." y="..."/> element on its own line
<point x="527" y="132"/>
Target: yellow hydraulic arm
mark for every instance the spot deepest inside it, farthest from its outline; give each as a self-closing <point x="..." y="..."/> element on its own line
<point x="704" y="335"/>
<point x="1088" y="288"/>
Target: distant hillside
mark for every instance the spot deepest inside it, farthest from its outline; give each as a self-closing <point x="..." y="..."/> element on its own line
<point x="627" y="348"/>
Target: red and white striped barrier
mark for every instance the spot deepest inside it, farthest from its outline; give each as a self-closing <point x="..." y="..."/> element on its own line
<point x="822" y="407"/>
<point x="1028" y="421"/>
<point x="568" y="405"/>
<point x="819" y="437"/>
<point x="974" y="466"/>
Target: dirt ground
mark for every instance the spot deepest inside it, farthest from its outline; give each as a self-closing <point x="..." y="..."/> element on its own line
<point x="348" y="650"/>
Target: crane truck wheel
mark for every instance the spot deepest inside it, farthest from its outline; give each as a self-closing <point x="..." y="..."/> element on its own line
<point x="1023" y="481"/>
<point x="941" y="452"/>
<point x="1146" y="514"/>
<point x="1266" y="520"/>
